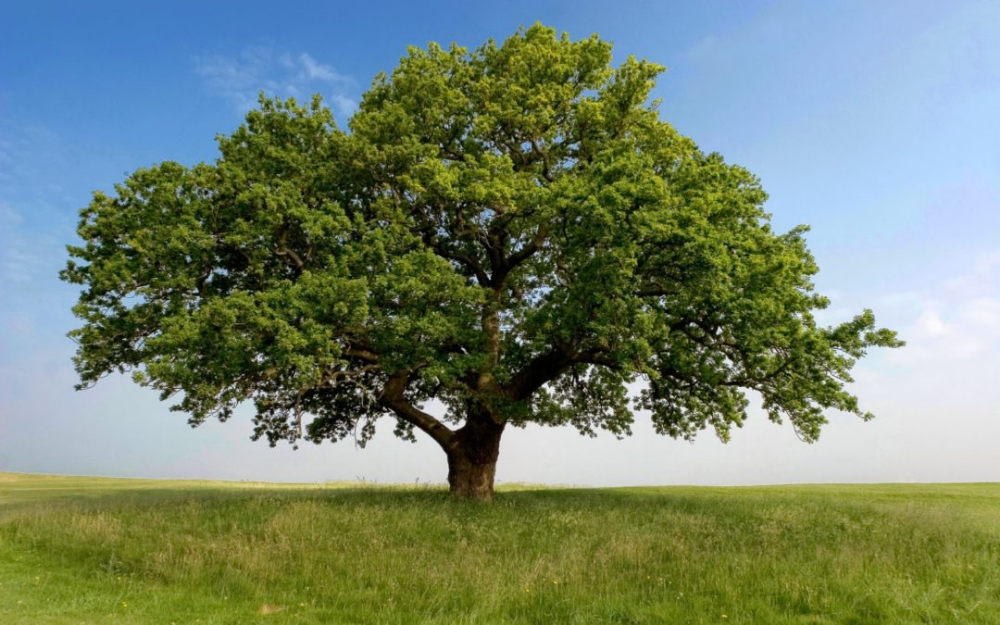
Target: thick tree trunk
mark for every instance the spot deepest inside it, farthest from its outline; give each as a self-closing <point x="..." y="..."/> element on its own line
<point x="471" y="480"/>
<point x="472" y="459"/>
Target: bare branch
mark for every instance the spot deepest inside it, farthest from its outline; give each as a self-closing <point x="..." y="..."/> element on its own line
<point x="527" y="250"/>
<point x="283" y="250"/>
<point x="362" y="354"/>
<point x="392" y="398"/>
<point x="429" y="238"/>
<point x="546" y="173"/>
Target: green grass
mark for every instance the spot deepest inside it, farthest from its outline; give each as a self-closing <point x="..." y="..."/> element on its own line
<point x="100" y="550"/>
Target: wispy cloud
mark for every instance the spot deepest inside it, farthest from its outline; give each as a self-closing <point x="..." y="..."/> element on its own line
<point x="37" y="210"/>
<point x="239" y="78"/>
<point x="318" y="71"/>
<point x="5" y="148"/>
<point x="956" y="320"/>
<point x="18" y="264"/>
<point x="8" y="216"/>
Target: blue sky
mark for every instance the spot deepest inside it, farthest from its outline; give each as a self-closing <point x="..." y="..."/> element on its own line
<point x="874" y="122"/>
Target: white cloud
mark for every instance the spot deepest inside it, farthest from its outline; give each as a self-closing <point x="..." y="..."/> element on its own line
<point x="930" y="324"/>
<point x="240" y="78"/>
<point x="984" y="314"/>
<point x="17" y="267"/>
<point x="344" y="106"/>
<point x="954" y="321"/>
<point x="5" y="148"/>
<point x="318" y="71"/>
<point x="18" y="264"/>
<point x="985" y="274"/>
<point x="8" y="216"/>
<point x="36" y="209"/>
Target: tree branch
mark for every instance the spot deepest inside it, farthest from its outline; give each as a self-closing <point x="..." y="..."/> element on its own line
<point x="545" y="161"/>
<point x="283" y="250"/>
<point x="392" y="398"/>
<point x="535" y="374"/>
<point x="548" y="366"/>
<point x="432" y="242"/>
<point x="361" y="354"/>
<point x="527" y="250"/>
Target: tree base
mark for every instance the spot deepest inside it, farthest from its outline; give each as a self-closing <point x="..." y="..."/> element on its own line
<point x="472" y="457"/>
<point x="468" y="480"/>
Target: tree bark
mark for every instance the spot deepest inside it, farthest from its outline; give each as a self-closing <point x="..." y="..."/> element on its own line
<point x="472" y="458"/>
<point x="472" y="450"/>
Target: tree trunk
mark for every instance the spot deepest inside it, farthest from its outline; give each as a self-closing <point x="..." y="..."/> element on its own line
<point x="472" y="459"/>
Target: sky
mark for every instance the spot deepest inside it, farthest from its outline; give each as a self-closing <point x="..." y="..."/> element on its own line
<point x="873" y="122"/>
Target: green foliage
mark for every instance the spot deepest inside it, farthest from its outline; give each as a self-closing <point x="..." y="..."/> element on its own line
<point x="135" y="551"/>
<point x="512" y="230"/>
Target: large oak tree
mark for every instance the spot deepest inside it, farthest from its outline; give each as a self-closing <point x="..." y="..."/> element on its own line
<point x="512" y="231"/>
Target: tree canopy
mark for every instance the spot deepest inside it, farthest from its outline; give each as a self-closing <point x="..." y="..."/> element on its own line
<point x="511" y="230"/>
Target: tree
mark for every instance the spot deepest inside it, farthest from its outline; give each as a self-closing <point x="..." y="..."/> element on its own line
<point x="512" y="231"/>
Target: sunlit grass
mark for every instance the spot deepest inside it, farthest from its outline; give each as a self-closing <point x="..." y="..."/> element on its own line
<point x="97" y="550"/>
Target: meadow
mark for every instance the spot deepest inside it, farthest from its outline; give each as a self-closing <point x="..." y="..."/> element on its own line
<point x="93" y="550"/>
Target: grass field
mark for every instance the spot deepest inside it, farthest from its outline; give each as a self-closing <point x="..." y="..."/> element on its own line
<point x="104" y="550"/>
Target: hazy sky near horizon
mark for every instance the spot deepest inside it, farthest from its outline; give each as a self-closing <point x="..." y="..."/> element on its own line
<point x="874" y="122"/>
